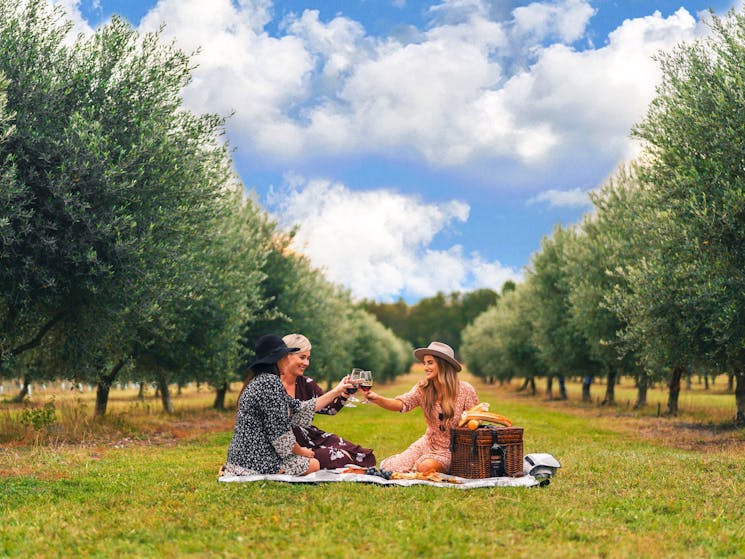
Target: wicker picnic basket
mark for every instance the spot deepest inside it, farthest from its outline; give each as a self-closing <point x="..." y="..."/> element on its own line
<point x="486" y="452"/>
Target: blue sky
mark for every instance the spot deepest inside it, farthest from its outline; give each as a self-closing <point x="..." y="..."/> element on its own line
<point x="421" y="146"/>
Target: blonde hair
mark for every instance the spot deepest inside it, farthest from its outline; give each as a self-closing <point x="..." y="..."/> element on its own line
<point x="447" y="377"/>
<point x="297" y="340"/>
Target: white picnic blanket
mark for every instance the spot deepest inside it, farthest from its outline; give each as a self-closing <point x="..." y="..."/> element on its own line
<point x="324" y="476"/>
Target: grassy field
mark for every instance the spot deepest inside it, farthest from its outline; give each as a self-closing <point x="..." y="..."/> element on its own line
<point x="140" y="484"/>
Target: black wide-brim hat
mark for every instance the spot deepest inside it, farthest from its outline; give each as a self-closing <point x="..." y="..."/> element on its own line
<point x="270" y="349"/>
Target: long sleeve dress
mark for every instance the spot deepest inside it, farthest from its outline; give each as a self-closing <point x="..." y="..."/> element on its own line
<point x="262" y="438"/>
<point x="331" y="450"/>
<point x="435" y="443"/>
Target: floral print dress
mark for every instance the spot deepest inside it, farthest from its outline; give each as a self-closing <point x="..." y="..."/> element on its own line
<point x="331" y="450"/>
<point x="262" y="438"/>
<point x="435" y="443"/>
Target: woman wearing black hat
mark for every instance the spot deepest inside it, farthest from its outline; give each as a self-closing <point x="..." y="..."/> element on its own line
<point x="443" y="397"/>
<point x="263" y="441"/>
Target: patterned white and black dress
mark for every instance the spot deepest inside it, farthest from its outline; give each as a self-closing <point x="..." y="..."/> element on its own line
<point x="262" y="439"/>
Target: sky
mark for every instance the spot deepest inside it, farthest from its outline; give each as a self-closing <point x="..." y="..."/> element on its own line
<point x="420" y="147"/>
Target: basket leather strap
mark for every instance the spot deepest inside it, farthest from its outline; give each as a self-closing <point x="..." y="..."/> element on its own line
<point x="474" y="449"/>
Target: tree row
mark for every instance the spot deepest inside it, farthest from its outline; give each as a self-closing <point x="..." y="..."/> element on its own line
<point x="651" y="283"/>
<point x="129" y="249"/>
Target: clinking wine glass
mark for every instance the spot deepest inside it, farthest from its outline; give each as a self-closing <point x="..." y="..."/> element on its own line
<point x="367" y="383"/>
<point x="354" y="378"/>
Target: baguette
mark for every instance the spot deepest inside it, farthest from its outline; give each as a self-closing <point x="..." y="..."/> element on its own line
<point x="485" y="416"/>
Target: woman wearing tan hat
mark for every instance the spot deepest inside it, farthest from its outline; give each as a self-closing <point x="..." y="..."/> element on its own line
<point x="443" y="398"/>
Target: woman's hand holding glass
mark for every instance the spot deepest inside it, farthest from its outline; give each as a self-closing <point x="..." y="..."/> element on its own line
<point x="366" y="384"/>
<point x="354" y="379"/>
<point x="341" y="388"/>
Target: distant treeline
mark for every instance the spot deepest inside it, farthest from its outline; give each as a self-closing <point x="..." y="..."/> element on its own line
<point x="442" y="317"/>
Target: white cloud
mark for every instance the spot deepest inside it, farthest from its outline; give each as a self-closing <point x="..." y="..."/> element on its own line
<point x="565" y="20"/>
<point x="79" y="24"/>
<point x="575" y="198"/>
<point x="586" y="102"/>
<point x="476" y="86"/>
<point x="473" y="87"/>
<point x="492" y="274"/>
<point x="506" y="92"/>
<point x="378" y="242"/>
<point x="241" y="68"/>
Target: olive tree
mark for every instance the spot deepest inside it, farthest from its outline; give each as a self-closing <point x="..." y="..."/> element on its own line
<point x="196" y="336"/>
<point x="608" y="241"/>
<point x="377" y="348"/>
<point x="121" y="195"/>
<point x="693" y="283"/>
<point x="298" y="298"/>
<point x="562" y="347"/>
<point x="46" y="265"/>
<point x="498" y="344"/>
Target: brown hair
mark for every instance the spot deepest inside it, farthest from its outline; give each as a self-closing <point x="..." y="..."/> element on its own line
<point x="447" y="377"/>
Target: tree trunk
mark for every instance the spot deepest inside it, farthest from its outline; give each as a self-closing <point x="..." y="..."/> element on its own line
<point x="524" y="385"/>
<point x="103" y="388"/>
<point x="141" y="391"/>
<point x="730" y="382"/>
<point x="550" y="387"/>
<point x="24" y="390"/>
<point x="672" y="399"/>
<point x="641" y="392"/>
<point x="102" y="397"/>
<point x="586" y="384"/>
<point x="220" y="396"/>
<point x="610" y="389"/>
<point x="165" y="396"/>
<point x="533" y="389"/>
<point x="562" y="388"/>
<point x="706" y="381"/>
<point x="740" y="396"/>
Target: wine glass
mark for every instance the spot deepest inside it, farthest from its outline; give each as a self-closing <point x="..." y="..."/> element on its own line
<point x="354" y="378"/>
<point x="367" y="383"/>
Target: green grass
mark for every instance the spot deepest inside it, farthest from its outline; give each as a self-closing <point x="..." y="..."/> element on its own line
<point x="622" y="492"/>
